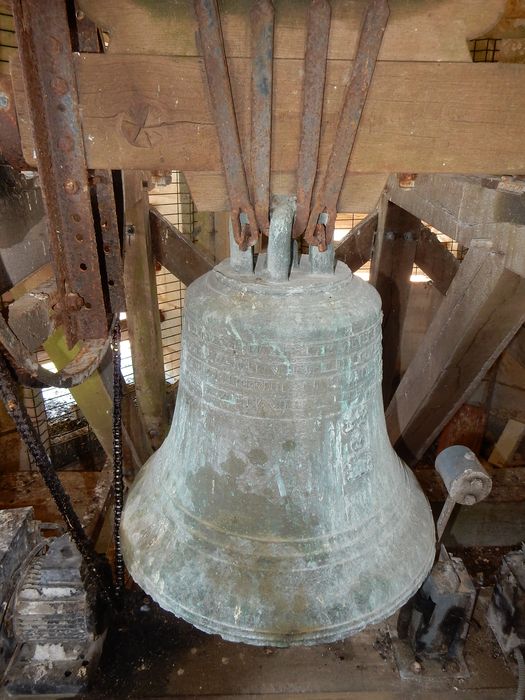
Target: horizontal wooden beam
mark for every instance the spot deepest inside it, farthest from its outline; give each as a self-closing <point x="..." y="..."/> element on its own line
<point x="422" y="31"/>
<point x="482" y="311"/>
<point x="355" y="249"/>
<point x="175" y="251"/>
<point x="146" y="112"/>
<point x="464" y="208"/>
<point x="360" y="193"/>
<point x="436" y="261"/>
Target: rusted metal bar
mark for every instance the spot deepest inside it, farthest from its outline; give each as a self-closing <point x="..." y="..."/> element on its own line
<point x="318" y="33"/>
<point x="108" y="226"/>
<point x="262" y="20"/>
<point x="47" y="65"/>
<point x="325" y="201"/>
<point x="244" y="223"/>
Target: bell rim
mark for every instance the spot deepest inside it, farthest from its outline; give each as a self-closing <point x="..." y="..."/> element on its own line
<point x="325" y="635"/>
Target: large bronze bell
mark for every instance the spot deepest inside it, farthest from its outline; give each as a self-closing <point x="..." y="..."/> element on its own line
<point x="276" y="512"/>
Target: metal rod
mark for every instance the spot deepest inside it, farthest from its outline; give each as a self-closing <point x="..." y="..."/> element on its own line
<point x="325" y="201"/>
<point x="313" y="92"/>
<point x="279" y="255"/>
<point x="46" y="59"/>
<point x="212" y="47"/>
<point x="262" y="22"/>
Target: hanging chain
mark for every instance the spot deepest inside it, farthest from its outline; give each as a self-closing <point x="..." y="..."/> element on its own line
<point x="96" y="563"/>
<point x="118" y="476"/>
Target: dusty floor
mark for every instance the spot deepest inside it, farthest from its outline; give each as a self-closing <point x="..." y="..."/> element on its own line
<point x="150" y="654"/>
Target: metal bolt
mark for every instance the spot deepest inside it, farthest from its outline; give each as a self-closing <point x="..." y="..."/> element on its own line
<point x="390" y="235"/>
<point x="79" y="15"/>
<point x="71" y="186"/>
<point x="416" y="667"/>
<point x="130" y="229"/>
<point x="476" y="484"/>
<point x="469" y="499"/>
<point x="4" y="101"/>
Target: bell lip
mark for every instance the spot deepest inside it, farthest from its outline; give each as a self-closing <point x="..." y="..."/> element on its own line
<point x="324" y="635"/>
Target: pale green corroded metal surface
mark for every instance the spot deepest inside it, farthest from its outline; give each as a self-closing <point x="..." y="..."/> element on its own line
<point x="276" y="512"/>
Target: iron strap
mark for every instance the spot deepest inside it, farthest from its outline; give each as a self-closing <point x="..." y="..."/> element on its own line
<point x="261" y="20"/>
<point x="245" y="228"/>
<point x="318" y="32"/>
<point x="325" y="201"/>
<point x="46" y="59"/>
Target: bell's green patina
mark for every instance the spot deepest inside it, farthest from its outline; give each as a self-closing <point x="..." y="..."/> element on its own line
<point x="276" y="512"/>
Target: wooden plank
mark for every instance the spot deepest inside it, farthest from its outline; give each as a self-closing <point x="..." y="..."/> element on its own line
<point x="507" y="444"/>
<point x="392" y="264"/>
<point x="355" y="249"/>
<point x="482" y="311"/>
<point x="360" y="193"/>
<point x="465" y="209"/>
<point x="175" y="251"/>
<point x="423" y="31"/>
<point x="142" y="310"/>
<point x="436" y="261"/>
<point x="148" y="118"/>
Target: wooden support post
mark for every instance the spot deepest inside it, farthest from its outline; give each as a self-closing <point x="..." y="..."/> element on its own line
<point x="355" y="249"/>
<point x="435" y="260"/>
<point x="392" y="265"/>
<point x="175" y="251"/>
<point x="143" y="309"/>
<point x="482" y="311"/>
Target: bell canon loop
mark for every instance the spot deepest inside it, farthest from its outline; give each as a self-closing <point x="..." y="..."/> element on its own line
<point x="276" y="512"/>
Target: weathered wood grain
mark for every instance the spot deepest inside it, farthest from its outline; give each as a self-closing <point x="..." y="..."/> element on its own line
<point x="423" y="31"/>
<point x="355" y="249"/>
<point x="146" y="112"/>
<point x="392" y="264"/>
<point x="435" y="260"/>
<point x="482" y="311"/>
<point x="175" y="251"/>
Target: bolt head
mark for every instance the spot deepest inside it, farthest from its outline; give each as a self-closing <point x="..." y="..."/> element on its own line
<point x="71" y="186"/>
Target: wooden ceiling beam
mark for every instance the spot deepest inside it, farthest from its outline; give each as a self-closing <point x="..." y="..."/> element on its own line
<point x="150" y="112"/>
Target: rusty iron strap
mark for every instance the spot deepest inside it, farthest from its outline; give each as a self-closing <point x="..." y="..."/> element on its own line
<point x="244" y="223"/>
<point x="262" y="22"/>
<point x="107" y="223"/>
<point x="318" y="33"/>
<point x="47" y="66"/>
<point x="325" y="201"/>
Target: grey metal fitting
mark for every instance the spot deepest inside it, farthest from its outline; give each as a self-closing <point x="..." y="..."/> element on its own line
<point x="465" y="479"/>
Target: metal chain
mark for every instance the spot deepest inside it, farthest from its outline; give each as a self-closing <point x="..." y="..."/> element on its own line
<point x="96" y="563"/>
<point x="118" y="476"/>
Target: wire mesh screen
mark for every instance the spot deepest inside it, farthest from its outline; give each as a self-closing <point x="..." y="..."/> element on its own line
<point x="175" y="203"/>
<point x="7" y="41"/>
<point x="171" y="293"/>
<point x="484" y="50"/>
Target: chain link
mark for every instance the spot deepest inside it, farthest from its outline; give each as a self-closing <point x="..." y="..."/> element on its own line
<point x="118" y="477"/>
